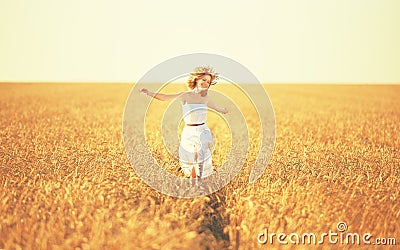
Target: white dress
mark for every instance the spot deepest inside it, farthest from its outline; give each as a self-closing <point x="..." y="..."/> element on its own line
<point x="196" y="142"/>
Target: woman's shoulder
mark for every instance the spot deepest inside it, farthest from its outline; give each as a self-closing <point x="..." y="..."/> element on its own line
<point x="184" y="96"/>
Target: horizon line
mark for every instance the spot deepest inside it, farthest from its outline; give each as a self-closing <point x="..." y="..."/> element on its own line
<point x="125" y="82"/>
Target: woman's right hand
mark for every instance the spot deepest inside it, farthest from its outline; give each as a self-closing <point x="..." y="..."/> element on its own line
<point x="146" y="91"/>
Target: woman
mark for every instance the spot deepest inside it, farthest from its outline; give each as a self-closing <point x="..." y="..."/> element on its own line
<point x="196" y="139"/>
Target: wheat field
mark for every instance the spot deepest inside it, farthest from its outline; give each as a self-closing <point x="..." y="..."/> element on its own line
<point x="66" y="182"/>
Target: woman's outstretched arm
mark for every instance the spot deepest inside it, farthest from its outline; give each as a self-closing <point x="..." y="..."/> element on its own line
<point x="212" y="105"/>
<point x="161" y="97"/>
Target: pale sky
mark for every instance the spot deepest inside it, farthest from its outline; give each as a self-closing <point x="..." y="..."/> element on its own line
<point x="288" y="41"/>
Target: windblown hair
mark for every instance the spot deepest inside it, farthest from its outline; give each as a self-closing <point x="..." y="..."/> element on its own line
<point x="201" y="71"/>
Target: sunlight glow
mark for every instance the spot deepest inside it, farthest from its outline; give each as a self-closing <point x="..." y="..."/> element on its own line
<point x="279" y="41"/>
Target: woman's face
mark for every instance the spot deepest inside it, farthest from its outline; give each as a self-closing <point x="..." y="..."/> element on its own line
<point x="203" y="81"/>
